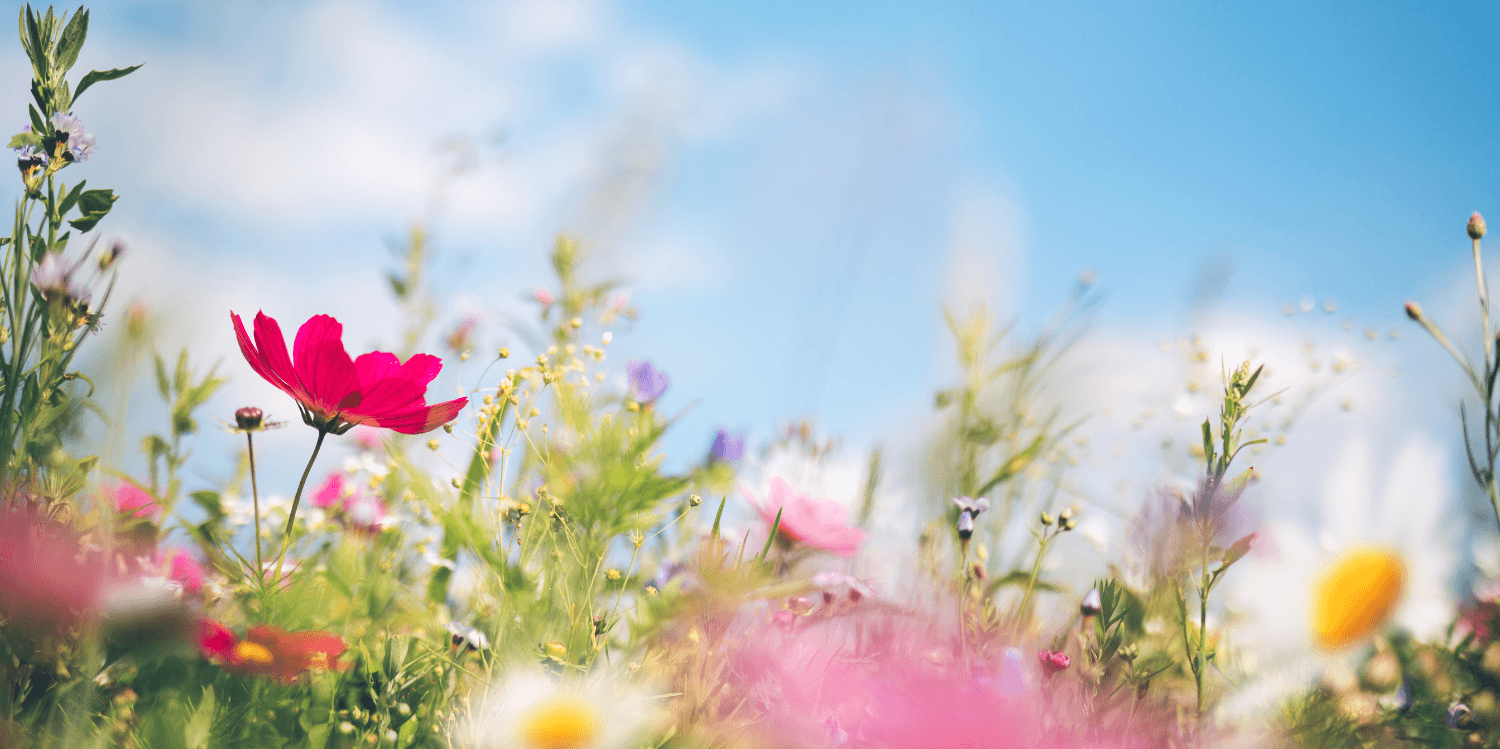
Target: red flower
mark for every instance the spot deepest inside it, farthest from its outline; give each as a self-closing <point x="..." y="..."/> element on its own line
<point x="1053" y="662"/>
<point x="336" y="393"/>
<point x="269" y="651"/>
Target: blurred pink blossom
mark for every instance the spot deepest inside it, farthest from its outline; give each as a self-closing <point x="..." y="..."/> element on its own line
<point x="132" y="500"/>
<point x="544" y="296"/>
<point x="367" y="438"/>
<point x="815" y="523"/>
<point x="331" y="493"/>
<point x="46" y="577"/>
<point x="181" y="568"/>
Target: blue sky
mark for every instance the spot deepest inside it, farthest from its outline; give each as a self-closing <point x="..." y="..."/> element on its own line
<point x="793" y="190"/>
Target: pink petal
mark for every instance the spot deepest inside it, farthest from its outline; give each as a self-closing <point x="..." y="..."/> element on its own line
<point x="258" y="362"/>
<point x="328" y="374"/>
<point x="375" y="366"/>
<point x="331" y="493"/>
<point x="272" y="346"/>
<point x="420" y="420"/>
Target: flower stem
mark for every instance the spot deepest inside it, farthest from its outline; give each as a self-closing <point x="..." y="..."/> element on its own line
<point x="1036" y="568"/>
<point x="286" y="538"/>
<point x="255" y="498"/>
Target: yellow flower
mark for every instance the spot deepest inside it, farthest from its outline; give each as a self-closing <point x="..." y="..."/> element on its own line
<point x="1355" y="595"/>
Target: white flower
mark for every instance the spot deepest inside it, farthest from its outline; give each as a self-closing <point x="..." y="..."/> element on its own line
<point x="534" y="710"/>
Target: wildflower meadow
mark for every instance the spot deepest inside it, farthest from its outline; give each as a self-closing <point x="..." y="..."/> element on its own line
<point x="471" y="535"/>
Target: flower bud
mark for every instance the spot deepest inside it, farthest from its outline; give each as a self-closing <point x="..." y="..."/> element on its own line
<point x="117" y="248"/>
<point x="1046" y="519"/>
<point x="556" y="649"/>
<point x="1476" y="226"/>
<point x="1414" y="311"/>
<point x="695" y="500"/>
<point x="1091" y="605"/>
<point x="504" y="353"/>
<point x="249" y="418"/>
<point x="1458" y="716"/>
<point x="1069" y="524"/>
<point x="613" y="574"/>
<point x="1066" y="514"/>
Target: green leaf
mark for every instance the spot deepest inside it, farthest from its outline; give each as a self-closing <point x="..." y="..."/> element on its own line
<point x="71" y="199"/>
<point x="72" y="40"/>
<point x="775" y="526"/>
<point x="94" y="205"/>
<point x="38" y="125"/>
<point x="95" y="76"/>
<point x="1238" y="550"/>
<point x="195" y="733"/>
<point x="209" y="501"/>
<point x="20" y="140"/>
<point x="162" y="383"/>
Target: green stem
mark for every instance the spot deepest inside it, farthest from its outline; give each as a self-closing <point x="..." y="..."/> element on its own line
<point x="255" y="498"/>
<point x="286" y="538"/>
<point x="1036" y="568"/>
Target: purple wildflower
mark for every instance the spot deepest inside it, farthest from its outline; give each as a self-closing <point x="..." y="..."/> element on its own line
<point x="727" y="447"/>
<point x="54" y="280"/>
<point x="80" y="141"/>
<point x="646" y="381"/>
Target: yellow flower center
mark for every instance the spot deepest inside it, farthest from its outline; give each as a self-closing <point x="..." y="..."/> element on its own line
<point x="249" y="651"/>
<point x="1355" y="595"/>
<point x="564" y="721"/>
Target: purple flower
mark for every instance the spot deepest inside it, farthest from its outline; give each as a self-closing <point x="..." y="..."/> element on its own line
<point x="646" y="381"/>
<point x="30" y="156"/>
<point x="54" y="279"/>
<point x="726" y="447"/>
<point x="80" y="141"/>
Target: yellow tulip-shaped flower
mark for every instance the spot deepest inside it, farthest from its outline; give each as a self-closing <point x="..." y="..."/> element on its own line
<point x="1355" y="595"/>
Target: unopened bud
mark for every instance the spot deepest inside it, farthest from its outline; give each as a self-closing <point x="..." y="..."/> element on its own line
<point x="117" y="248"/>
<point x="1069" y="524"/>
<point x="695" y="500"/>
<point x="504" y="353"/>
<point x="556" y="649"/>
<point x="1476" y="226"/>
<point x="1414" y="311"/>
<point x="1066" y="514"/>
<point x="577" y="322"/>
<point x="1091" y="605"/>
<point x="432" y="444"/>
<point x="1046" y="518"/>
<point x="249" y="418"/>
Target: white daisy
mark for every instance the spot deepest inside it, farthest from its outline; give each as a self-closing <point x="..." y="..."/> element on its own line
<point x="535" y="710"/>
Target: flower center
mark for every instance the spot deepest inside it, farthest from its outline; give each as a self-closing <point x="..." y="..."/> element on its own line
<point x="1355" y="596"/>
<point x="560" y="722"/>
<point x="253" y="653"/>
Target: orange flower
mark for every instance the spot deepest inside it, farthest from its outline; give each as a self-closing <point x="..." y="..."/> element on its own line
<point x="269" y="651"/>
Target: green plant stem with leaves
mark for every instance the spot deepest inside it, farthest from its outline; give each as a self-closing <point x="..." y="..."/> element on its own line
<point x="43" y="329"/>
<point x="1208" y="508"/>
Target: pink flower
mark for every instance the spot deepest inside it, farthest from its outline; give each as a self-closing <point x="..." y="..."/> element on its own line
<point x="330" y="495"/>
<point x="818" y="524"/>
<point x="367" y="438"/>
<point x="349" y="506"/>
<point x="133" y="501"/>
<point x="46" y="578"/>
<point x="544" y="296"/>
<point x="335" y="392"/>
<point x="1053" y="662"/>
<point x="181" y="568"/>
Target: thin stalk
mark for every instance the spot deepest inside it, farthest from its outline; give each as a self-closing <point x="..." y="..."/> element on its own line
<point x="1036" y="569"/>
<point x="286" y="538"/>
<point x="255" y="498"/>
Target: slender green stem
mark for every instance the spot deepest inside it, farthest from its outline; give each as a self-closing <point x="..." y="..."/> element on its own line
<point x="1036" y="568"/>
<point x="255" y="498"/>
<point x="286" y="538"/>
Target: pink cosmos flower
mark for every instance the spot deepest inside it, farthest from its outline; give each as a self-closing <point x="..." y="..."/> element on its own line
<point x="133" y="501"/>
<point x="336" y="393"/>
<point x="818" y="524"/>
<point x="331" y="494"/>
<point x="350" y="507"/>
<point x="181" y="568"/>
<point x="367" y="438"/>
<point x="544" y="296"/>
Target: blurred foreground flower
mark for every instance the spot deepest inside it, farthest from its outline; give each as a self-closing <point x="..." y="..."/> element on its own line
<point x="1355" y="596"/>
<point x="46" y="578"/>
<point x="532" y="710"/>
<point x="726" y="448"/>
<point x="818" y="524"/>
<point x="336" y="393"/>
<point x="132" y="501"/>
<point x="350" y="507"/>
<point x="269" y="651"/>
